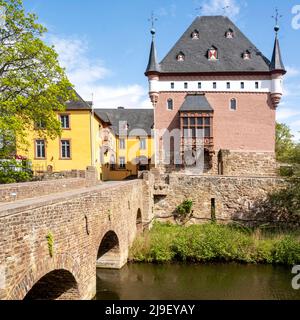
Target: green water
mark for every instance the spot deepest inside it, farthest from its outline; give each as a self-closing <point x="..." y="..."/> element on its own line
<point x="196" y="282"/>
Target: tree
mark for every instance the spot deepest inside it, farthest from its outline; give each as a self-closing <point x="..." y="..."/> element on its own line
<point x="284" y="143"/>
<point x="33" y="86"/>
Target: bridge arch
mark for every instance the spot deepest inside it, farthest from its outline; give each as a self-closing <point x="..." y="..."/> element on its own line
<point x="55" y="285"/>
<point x="109" y="252"/>
<point x="45" y="266"/>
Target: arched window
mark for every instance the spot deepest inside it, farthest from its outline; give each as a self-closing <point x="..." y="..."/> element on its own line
<point x="180" y="56"/>
<point x="233" y="104"/>
<point x="170" y="104"/>
<point x="212" y="53"/>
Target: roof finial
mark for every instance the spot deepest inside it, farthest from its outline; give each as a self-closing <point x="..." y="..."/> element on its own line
<point x="276" y="17"/>
<point x="153" y="19"/>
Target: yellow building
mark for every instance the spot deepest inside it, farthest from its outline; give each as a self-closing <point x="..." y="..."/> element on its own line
<point x="95" y="138"/>
<point x="130" y="147"/>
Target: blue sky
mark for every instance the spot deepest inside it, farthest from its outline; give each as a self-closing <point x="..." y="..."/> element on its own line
<point x="104" y="45"/>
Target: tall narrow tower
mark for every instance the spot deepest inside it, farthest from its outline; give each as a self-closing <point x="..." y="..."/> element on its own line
<point x="152" y="72"/>
<point x="277" y="72"/>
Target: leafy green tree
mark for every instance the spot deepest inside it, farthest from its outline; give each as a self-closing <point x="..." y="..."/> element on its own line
<point x="284" y="143"/>
<point x="33" y="86"/>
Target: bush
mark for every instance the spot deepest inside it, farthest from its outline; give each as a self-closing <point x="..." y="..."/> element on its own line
<point x="214" y="243"/>
<point x="185" y="208"/>
<point x="12" y="171"/>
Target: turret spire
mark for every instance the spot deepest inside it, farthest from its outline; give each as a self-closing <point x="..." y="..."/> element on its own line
<point x="153" y="66"/>
<point x="276" y="62"/>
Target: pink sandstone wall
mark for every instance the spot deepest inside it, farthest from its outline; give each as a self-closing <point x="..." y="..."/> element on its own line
<point x="250" y="128"/>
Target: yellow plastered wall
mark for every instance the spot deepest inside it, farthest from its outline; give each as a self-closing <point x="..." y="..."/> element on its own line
<point x="79" y="136"/>
<point x="131" y="152"/>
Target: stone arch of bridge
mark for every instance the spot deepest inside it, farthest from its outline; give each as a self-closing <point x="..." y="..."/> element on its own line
<point x="35" y="272"/>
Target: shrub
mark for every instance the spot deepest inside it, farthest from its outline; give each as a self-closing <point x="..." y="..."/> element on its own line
<point x="12" y="171"/>
<point x="214" y="243"/>
<point x="185" y="208"/>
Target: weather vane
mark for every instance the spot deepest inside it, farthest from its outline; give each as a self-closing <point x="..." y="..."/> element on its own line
<point x="276" y="17"/>
<point x="152" y="19"/>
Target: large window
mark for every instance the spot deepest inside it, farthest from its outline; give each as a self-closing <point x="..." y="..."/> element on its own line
<point x="65" y="121"/>
<point x="122" y="144"/>
<point x="65" y="146"/>
<point x="196" y="126"/>
<point x="40" y="149"/>
<point x="143" y="144"/>
<point x="122" y="163"/>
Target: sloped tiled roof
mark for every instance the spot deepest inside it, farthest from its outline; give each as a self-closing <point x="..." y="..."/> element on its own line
<point x="212" y="30"/>
<point x="78" y="104"/>
<point x="137" y="119"/>
<point x="194" y="102"/>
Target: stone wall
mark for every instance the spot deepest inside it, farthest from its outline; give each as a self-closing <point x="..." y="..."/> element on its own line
<point x="19" y="191"/>
<point x="247" y="163"/>
<point x="235" y="198"/>
<point x="78" y="221"/>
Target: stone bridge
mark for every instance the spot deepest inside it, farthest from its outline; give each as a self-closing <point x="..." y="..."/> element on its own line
<point x="51" y="245"/>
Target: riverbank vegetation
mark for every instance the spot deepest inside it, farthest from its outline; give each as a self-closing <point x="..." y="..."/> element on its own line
<point x="212" y="242"/>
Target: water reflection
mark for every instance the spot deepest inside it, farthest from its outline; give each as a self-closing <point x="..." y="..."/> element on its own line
<point x="196" y="282"/>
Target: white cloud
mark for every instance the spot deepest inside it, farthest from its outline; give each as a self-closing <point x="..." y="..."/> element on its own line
<point x="292" y="72"/>
<point x="286" y="113"/>
<point x="229" y="8"/>
<point x="88" y="74"/>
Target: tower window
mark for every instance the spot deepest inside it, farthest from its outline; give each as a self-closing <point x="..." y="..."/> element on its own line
<point x="180" y="56"/>
<point x="213" y="54"/>
<point x="214" y="85"/>
<point x="195" y="34"/>
<point x="247" y="55"/>
<point x="172" y="85"/>
<point x="170" y="104"/>
<point x="228" y="85"/>
<point x="229" y="34"/>
<point x="256" y="85"/>
<point x="242" y="85"/>
<point x="199" y="85"/>
<point x="186" y="85"/>
<point x="233" y="104"/>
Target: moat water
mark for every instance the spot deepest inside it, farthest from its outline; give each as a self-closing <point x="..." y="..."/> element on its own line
<point x="196" y="282"/>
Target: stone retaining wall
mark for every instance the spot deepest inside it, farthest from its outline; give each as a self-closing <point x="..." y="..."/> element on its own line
<point x="235" y="198"/>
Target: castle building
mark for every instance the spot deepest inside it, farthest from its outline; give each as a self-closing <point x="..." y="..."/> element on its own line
<point x="215" y="81"/>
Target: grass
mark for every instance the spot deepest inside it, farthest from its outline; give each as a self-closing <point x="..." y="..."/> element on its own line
<point x="167" y="243"/>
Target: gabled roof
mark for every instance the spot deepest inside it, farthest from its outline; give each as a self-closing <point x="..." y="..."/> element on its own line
<point x="196" y="102"/>
<point x="212" y="30"/>
<point x="138" y="120"/>
<point x="78" y="104"/>
<point x="276" y="63"/>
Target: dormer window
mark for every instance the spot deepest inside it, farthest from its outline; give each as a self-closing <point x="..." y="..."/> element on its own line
<point x="229" y="34"/>
<point x="213" y="53"/>
<point x="180" y="56"/>
<point x="195" y="34"/>
<point x="247" y="55"/>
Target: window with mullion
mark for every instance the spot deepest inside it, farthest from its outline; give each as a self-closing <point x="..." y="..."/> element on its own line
<point x="65" y="121"/>
<point x="65" y="149"/>
<point x="40" y="149"/>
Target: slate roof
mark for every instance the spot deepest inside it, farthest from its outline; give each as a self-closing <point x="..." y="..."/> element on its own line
<point x="276" y="63"/>
<point x="139" y="120"/>
<point x="212" y="30"/>
<point x="78" y="104"/>
<point x="196" y="103"/>
<point x="152" y="64"/>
